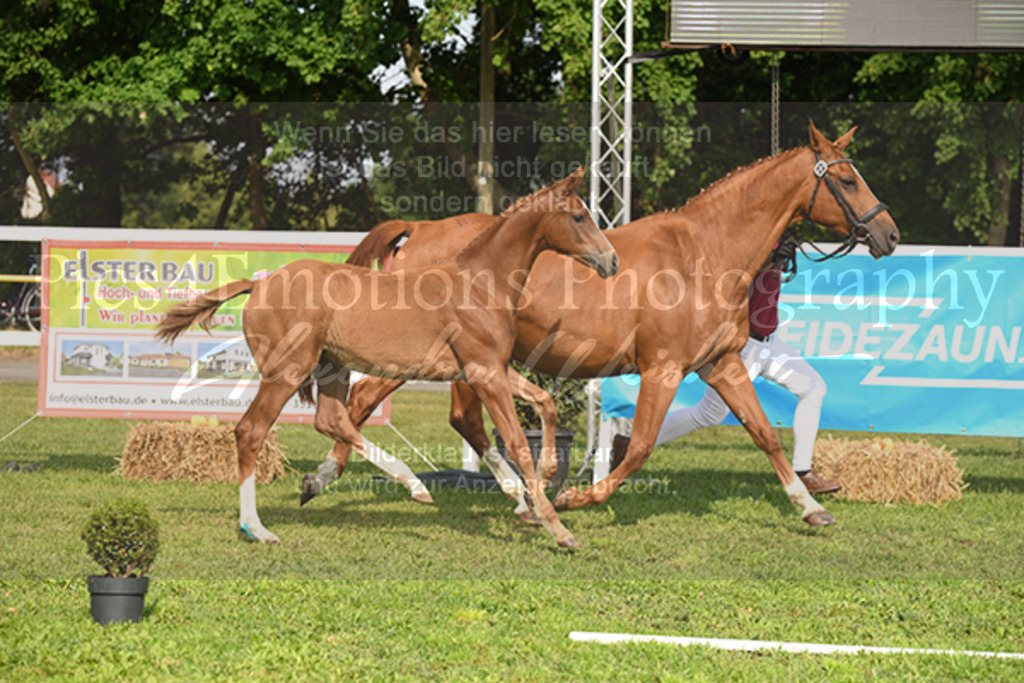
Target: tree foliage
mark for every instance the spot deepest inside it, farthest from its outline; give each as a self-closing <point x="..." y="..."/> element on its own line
<point x="183" y="113"/>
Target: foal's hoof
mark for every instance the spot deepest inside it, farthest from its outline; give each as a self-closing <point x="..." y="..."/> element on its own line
<point x="259" y="534"/>
<point x="819" y="518"/>
<point x="528" y="516"/>
<point x="569" y="542"/>
<point x="311" y="488"/>
<point x="423" y="497"/>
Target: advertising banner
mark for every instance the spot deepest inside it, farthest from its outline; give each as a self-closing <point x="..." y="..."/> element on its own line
<point x="102" y="301"/>
<point x="924" y="341"/>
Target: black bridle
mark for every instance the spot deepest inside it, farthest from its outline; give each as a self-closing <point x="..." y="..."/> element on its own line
<point x="858" y="224"/>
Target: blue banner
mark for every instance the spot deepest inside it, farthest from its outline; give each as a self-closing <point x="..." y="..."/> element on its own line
<point x="927" y="341"/>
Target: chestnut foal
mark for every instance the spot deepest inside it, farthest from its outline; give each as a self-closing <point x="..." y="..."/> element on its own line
<point x="451" y="321"/>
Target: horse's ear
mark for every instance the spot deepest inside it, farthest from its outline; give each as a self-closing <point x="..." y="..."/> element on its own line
<point x="819" y="142"/>
<point x="570" y="184"/>
<point x="842" y="142"/>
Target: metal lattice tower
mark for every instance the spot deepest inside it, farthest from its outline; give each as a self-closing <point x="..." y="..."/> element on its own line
<point x="611" y="151"/>
<point x="611" y="112"/>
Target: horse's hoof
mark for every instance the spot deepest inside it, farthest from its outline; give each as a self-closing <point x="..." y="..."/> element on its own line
<point x="311" y="488"/>
<point x="528" y="516"/>
<point x="820" y="518"/>
<point x="259" y="534"/>
<point x="563" y="500"/>
<point x="569" y="542"/>
<point x="424" y="497"/>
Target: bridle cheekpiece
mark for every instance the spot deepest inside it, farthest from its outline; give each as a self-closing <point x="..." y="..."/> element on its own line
<point x="858" y="224"/>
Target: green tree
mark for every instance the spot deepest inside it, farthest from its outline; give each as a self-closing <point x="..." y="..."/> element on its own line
<point x="969" y="107"/>
<point x="120" y="54"/>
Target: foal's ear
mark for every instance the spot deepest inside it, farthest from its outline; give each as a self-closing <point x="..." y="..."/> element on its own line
<point x="842" y="142"/>
<point x="571" y="183"/>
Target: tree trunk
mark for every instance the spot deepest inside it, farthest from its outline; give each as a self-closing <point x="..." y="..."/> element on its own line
<point x="234" y="181"/>
<point x="31" y="168"/>
<point x="1001" y="206"/>
<point x="257" y="143"/>
<point x="410" y="48"/>
<point x="102" y="167"/>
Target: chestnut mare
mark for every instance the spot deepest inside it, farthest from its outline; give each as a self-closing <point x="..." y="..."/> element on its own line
<point x="678" y="304"/>
<point x="452" y="321"/>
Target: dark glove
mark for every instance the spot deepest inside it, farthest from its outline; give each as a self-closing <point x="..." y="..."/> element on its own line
<point x="784" y="256"/>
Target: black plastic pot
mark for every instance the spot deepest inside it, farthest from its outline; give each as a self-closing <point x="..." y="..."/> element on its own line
<point x="563" y="446"/>
<point x="117" y="599"/>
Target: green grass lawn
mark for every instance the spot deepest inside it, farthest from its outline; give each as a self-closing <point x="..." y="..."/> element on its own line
<point x="368" y="583"/>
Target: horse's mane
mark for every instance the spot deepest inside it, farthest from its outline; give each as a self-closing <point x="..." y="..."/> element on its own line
<point x="716" y="188"/>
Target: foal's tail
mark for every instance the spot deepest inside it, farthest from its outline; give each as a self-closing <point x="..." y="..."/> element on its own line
<point x="199" y="310"/>
<point x="380" y="242"/>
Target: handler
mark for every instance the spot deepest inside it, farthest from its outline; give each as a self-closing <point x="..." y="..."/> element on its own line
<point x="769" y="357"/>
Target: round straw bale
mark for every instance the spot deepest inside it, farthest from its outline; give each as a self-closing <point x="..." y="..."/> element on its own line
<point x="883" y="470"/>
<point x="162" y="451"/>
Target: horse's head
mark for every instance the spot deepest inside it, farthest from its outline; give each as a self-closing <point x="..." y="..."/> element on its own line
<point x="569" y="228"/>
<point x="846" y="203"/>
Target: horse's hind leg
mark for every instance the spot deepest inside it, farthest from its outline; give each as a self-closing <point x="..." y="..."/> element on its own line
<point x="731" y="381"/>
<point x="467" y="418"/>
<point x="334" y="420"/>
<point x="250" y="433"/>
<point x="366" y="395"/>
<point x="544" y="406"/>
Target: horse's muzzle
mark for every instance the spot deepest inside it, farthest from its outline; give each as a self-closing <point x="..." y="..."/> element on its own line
<point x="882" y="242"/>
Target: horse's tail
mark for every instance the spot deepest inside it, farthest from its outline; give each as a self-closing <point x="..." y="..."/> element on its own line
<point x="199" y="310"/>
<point x="380" y="242"/>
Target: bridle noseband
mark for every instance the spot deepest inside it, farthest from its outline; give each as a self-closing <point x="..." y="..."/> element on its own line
<point x="858" y="224"/>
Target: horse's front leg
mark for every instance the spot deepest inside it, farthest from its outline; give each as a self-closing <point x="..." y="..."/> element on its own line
<point x="467" y="417"/>
<point x="657" y="387"/>
<point x="497" y="398"/>
<point x="732" y="382"/>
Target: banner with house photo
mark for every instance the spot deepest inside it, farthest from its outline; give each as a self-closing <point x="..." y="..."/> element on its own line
<point x="102" y="301"/>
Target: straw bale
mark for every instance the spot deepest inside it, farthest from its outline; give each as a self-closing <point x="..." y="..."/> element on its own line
<point x="163" y="451"/>
<point x="882" y="470"/>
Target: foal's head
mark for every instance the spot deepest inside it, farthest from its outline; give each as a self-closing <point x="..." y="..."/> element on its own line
<point x="567" y="226"/>
<point x="844" y="202"/>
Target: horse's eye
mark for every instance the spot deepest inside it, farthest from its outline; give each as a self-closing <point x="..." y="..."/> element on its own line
<point x="848" y="183"/>
<point x="578" y="218"/>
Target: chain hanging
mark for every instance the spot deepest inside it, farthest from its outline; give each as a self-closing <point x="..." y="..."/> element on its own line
<point x="775" y="104"/>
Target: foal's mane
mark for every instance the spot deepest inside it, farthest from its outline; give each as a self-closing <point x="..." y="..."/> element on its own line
<point x="528" y="200"/>
<point x="520" y="204"/>
<point x="724" y="183"/>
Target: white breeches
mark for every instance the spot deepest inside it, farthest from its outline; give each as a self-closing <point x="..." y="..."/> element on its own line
<point x="779" y="363"/>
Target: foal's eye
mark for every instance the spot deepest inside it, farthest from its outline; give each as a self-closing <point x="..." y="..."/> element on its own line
<point x="578" y="218"/>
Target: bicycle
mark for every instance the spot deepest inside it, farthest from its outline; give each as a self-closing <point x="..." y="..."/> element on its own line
<point x="25" y="309"/>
